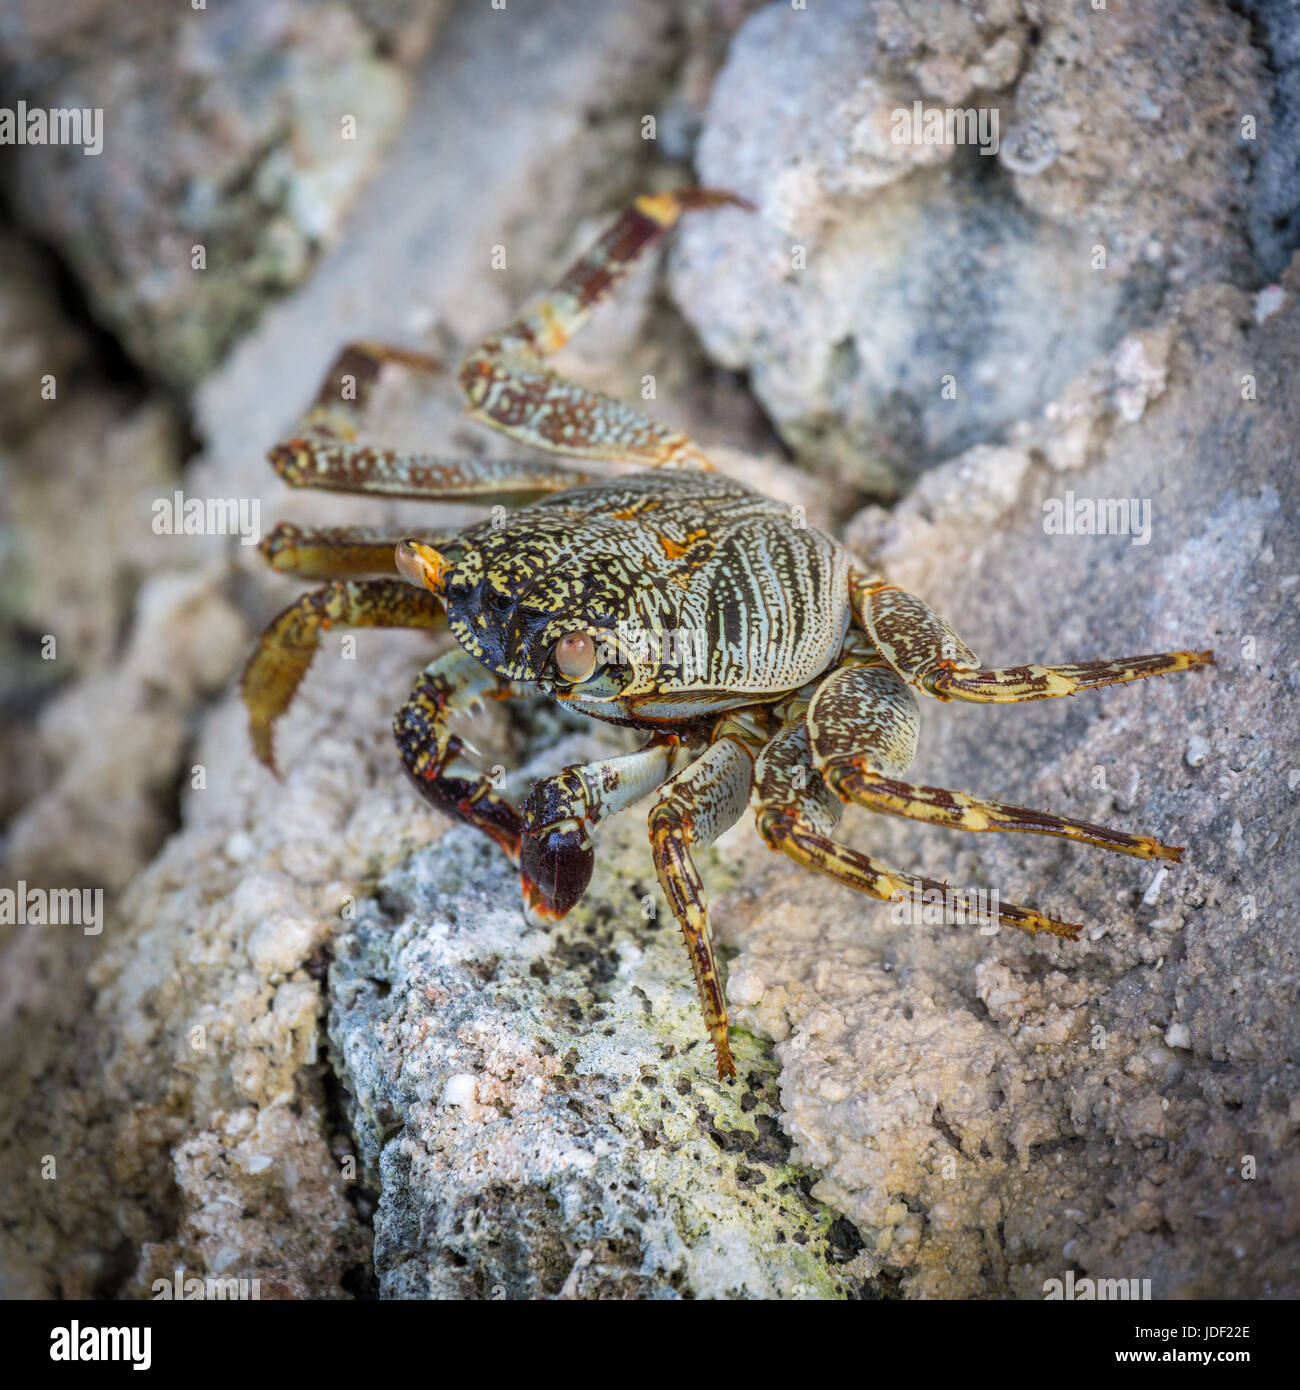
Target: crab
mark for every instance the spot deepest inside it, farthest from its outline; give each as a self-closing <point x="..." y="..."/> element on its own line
<point x="673" y="600"/>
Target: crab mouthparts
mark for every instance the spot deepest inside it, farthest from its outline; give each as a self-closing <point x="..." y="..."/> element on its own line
<point x="422" y="566"/>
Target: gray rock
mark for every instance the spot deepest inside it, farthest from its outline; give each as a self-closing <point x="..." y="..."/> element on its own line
<point x="316" y="1044"/>
<point x="1273" y="216"/>
<point x="888" y="300"/>
<point x="236" y="142"/>
<point x="80" y="463"/>
<point x="1127" y="131"/>
<point x="1045" y="1071"/>
<point x="537" y="1110"/>
<point x="36" y="339"/>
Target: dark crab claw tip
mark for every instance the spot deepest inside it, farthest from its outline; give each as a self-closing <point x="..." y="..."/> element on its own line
<point x="555" y="868"/>
<point x="538" y="912"/>
<point x="421" y="565"/>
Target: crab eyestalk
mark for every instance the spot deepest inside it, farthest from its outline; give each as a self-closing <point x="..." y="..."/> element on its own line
<point x="423" y="566"/>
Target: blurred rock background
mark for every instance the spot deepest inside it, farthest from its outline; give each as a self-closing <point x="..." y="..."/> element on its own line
<point x="315" y="1043"/>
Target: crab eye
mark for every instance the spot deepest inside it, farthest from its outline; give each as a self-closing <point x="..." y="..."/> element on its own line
<point x="421" y="565"/>
<point x="575" y="656"/>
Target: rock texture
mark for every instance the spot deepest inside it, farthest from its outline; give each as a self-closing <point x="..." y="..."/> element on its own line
<point x="317" y="1045"/>
<point x="889" y="298"/>
<point x="1274" y="212"/>
<point x="536" y="1109"/>
<point x="223" y="172"/>
<point x="1127" y="1106"/>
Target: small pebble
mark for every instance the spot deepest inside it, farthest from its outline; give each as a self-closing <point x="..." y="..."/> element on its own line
<point x="239" y="846"/>
<point x="1152" y="895"/>
<point x="460" y="1089"/>
<point x="1268" y="301"/>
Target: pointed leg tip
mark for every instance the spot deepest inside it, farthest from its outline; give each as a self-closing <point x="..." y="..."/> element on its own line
<point x="1144" y="847"/>
<point x="1027" y="920"/>
<point x="263" y="749"/>
<point x="695" y="197"/>
<point x="721" y="1040"/>
<point x="1067" y="931"/>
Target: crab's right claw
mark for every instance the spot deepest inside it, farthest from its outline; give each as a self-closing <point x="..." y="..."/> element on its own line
<point x="555" y="868"/>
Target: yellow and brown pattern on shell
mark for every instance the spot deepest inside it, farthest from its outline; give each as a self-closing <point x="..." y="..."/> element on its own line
<point x="699" y="589"/>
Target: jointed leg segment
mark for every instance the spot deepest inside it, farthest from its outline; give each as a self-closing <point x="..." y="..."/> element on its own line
<point x="860" y="733"/>
<point x="957" y="811"/>
<point x="928" y="654"/>
<point x="796" y="812"/>
<point x="343" y="466"/>
<point x="863" y="727"/>
<point x="509" y="387"/>
<point x="701" y="802"/>
<point x="324" y="452"/>
<point x="285" y="650"/>
<point x="332" y="552"/>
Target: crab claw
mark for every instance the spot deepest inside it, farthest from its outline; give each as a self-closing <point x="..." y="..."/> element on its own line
<point x="555" y="868"/>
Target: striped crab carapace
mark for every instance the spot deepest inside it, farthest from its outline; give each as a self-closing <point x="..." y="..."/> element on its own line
<point x="672" y="600"/>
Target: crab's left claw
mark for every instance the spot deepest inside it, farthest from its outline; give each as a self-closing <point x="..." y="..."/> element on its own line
<point x="556" y="855"/>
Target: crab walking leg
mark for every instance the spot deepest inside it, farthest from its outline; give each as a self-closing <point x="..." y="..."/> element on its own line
<point x="341" y="401"/>
<point x="337" y="466"/>
<point x="928" y="654"/>
<point x="550" y="322"/>
<point x="454" y="684"/>
<point x="323" y="452"/>
<point x="693" y="809"/>
<point x="862" y="726"/>
<point x="796" y="812"/>
<point x="508" y="387"/>
<point x="333" y="552"/>
<point x="285" y="650"/>
<point x="557" y="854"/>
